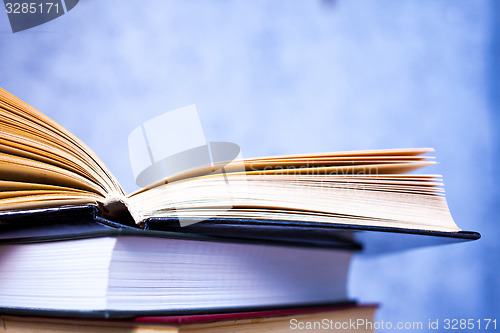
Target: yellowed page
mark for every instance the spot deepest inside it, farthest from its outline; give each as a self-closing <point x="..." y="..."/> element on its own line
<point x="47" y="157"/>
<point x="14" y="107"/>
<point x="45" y="201"/>
<point x="16" y="127"/>
<point x="360" y="153"/>
<point x="6" y="185"/>
<point x="19" y="169"/>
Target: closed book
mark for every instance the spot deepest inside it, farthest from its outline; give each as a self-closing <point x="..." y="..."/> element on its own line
<point x="123" y="273"/>
<point x="347" y="318"/>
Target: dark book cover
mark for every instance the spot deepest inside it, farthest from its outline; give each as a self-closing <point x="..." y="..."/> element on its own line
<point x="78" y="221"/>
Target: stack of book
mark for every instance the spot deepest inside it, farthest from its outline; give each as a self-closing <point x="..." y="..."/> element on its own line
<point x="78" y="255"/>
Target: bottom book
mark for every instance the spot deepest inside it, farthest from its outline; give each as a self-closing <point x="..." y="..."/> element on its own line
<point x="349" y="318"/>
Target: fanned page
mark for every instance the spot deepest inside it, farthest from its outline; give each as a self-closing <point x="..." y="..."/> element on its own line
<point x="370" y="188"/>
<point x="44" y="165"/>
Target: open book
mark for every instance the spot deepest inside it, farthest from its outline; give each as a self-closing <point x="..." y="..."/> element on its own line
<point x="43" y="165"/>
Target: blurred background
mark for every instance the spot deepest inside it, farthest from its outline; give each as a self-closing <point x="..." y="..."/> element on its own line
<point x="282" y="77"/>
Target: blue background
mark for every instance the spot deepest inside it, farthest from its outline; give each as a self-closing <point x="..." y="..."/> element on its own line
<point x="281" y="77"/>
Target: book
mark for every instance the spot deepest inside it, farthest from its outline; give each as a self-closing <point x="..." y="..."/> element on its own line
<point x="353" y="318"/>
<point x="43" y="165"/>
<point x="121" y="273"/>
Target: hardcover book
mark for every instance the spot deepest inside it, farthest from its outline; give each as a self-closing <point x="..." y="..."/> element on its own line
<point x="346" y="318"/>
<point x="118" y="272"/>
<point x="321" y="199"/>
